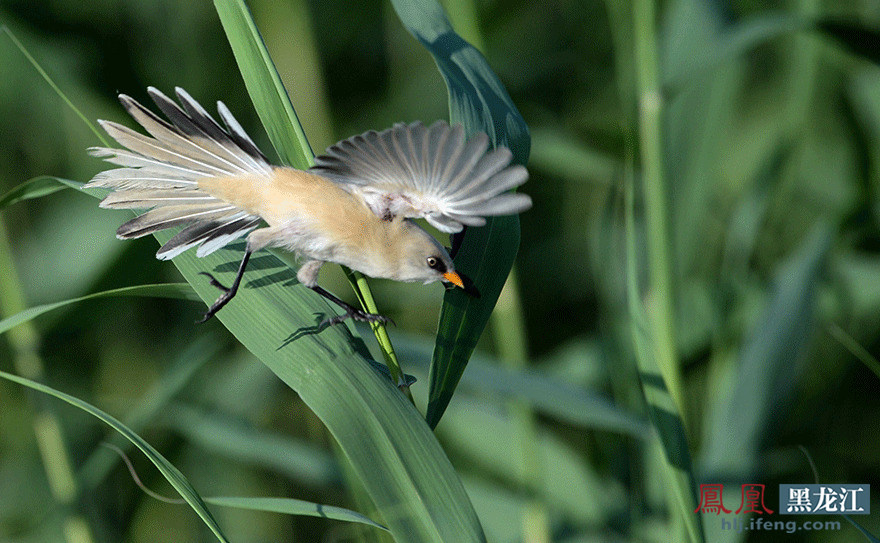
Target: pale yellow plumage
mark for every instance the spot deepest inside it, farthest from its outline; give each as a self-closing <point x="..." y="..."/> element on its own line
<point x="353" y="208"/>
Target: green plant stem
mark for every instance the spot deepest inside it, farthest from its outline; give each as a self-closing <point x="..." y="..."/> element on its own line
<point x="650" y="111"/>
<point x="510" y="340"/>
<point x="670" y="433"/>
<point x="365" y="296"/>
<point x="24" y="342"/>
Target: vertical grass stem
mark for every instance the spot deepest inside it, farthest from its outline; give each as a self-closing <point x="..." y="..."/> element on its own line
<point x="24" y="341"/>
<point x="650" y="113"/>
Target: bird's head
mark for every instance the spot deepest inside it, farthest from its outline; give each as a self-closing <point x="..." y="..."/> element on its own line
<point x="422" y="258"/>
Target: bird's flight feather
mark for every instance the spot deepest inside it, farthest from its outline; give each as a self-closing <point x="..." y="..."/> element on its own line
<point x="161" y="173"/>
<point x="427" y="172"/>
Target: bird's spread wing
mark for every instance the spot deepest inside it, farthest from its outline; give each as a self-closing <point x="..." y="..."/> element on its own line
<point x="427" y="172"/>
<point x="161" y="173"/>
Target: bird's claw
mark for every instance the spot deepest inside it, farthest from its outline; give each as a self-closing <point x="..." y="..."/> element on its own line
<point x="215" y="282"/>
<point x="220" y="302"/>
<point x="215" y="307"/>
<point x="358" y="315"/>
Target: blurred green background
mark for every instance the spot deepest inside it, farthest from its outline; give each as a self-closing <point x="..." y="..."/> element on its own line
<point x="771" y="151"/>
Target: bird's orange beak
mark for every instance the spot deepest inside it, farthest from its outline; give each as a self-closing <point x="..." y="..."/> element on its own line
<point x="463" y="282"/>
<point x="454" y="278"/>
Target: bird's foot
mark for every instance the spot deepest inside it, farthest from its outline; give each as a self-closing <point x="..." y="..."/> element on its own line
<point x="220" y="302"/>
<point x="358" y="315"/>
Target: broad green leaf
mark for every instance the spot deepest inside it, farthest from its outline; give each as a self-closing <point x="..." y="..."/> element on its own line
<point x="36" y="188"/>
<point x="264" y="84"/>
<point x="394" y="453"/>
<point x="177" y="479"/>
<point x="169" y="290"/>
<point x="290" y="506"/>
<point x="479" y="102"/>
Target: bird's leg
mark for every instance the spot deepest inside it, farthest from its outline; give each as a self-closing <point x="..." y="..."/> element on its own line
<point x="228" y="293"/>
<point x="350" y="311"/>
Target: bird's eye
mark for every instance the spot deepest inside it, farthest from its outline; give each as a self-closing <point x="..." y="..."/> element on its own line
<point x="433" y="262"/>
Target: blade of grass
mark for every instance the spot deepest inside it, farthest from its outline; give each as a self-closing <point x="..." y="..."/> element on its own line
<point x="287" y="506"/>
<point x="653" y="327"/>
<point x="767" y="369"/>
<point x="36" y="188"/>
<point x="172" y="474"/>
<point x="290" y="506"/>
<point x="5" y="30"/>
<point x="264" y="84"/>
<point x="168" y="290"/>
<point x="662" y="408"/>
<point x="857" y="350"/>
<point x="24" y="344"/>
<point x="478" y="101"/>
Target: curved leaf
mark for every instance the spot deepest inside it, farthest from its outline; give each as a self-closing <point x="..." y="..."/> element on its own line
<point x="36" y="188"/>
<point x="477" y="100"/>
<point x="290" y="506"/>
<point x="169" y="290"/>
<point x="172" y="474"/>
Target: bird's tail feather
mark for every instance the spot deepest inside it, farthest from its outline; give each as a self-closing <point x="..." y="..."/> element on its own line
<point x="160" y="172"/>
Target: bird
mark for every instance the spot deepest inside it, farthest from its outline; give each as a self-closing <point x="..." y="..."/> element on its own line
<point x="355" y="206"/>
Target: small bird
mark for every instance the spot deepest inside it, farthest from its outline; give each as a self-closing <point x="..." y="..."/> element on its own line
<point x="353" y="207"/>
